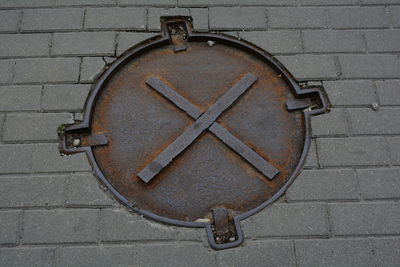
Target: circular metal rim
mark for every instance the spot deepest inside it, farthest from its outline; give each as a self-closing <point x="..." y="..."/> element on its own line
<point x="160" y="40"/>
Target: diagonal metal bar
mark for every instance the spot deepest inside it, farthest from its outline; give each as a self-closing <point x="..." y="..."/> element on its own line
<point x="219" y="131"/>
<point x="194" y="130"/>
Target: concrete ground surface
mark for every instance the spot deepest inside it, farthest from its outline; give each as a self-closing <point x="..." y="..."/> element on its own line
<point x="343" y="210"/>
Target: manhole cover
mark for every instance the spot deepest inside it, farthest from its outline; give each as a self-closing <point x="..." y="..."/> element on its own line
<point x="196" y="129"/>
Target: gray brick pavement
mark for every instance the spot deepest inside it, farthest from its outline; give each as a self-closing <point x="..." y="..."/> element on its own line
<point x="341" y="211"/>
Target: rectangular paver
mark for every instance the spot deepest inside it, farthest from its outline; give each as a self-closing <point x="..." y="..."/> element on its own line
<point x="354" y="92"/>
<point x="83" y="43"/>
<point x="388" y="92"/>
<point x="382" y="183"/>
<point x="32" y="191"/>
<point x="24" y="45"/>
<point x="59" y="19"/>
<point x="288" y="220"/>
<point x="126" y="40"/>
<point x="321" y="41"/>
<point x="28" y="256"/>
<point x="9" y="226"/>
<point x="46" y="70"/>
<point x="383" y="41"/>
<point x="365" y="218"/>
<point x="332" y="123"/>
<point x="369" y="121"/>
<point x="16" y="158"/>
<point x="9" y="20"/>
<point x="394" y="148"/>
<point x="310" y="66"/>
<point x="6" y="71"/>
<point x="60" y="226"/>
<point x="358" y="17"/>
<point x="297" y="18"/>
<point x="324" y="185"/>
<point x="275" y="42"/>
<point x="20" y="98"/>
<point x="358" y="151"/>
<point x="370" y="66"/>
<point x="64" y="96"/>
<point x="129" y="18"/>
<point x="33" y="126"/>
<point x="234" y="18"/>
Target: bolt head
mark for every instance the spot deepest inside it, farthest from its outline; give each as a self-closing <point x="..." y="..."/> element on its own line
<point x="210" y="43"/>
<point x="76" y="142"/>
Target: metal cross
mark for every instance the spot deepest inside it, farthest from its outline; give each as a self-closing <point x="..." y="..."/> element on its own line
<point x="203" y="122"/>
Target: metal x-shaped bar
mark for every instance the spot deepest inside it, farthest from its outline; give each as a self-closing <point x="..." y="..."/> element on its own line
<point x="205" y="121"/>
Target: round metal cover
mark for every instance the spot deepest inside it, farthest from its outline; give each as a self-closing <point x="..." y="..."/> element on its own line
<point x="198" y="130"/>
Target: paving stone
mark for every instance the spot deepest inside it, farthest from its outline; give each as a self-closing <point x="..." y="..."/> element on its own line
<point x="388" y="92"/>
<point x="64" y="96"/>
<point x="259" y="253"/>
<point x="365" y="218"/>
<point x="387" y="251"/>
<point x="297" y="18"/>
<point x="312" y="159"/>
<point x="23" y="45"/>
<point x="327" y="2"/>
<point x="358" y="17"/>
<point x="96" y="256"/>
<point x="48" y="159"/>
<point x="6" y="70"/>
<point x="369" y="121"/>
<point x="9" y="20"/>
<point x="394" y="147"/>
<point x="310" y="66"/>
<point x="383" y="41"/>
<point x="20" y="98"/>
<point x="46" y="70"/>
<point x="350" y="92"/>
<point x="34" y="126"/>
<point x="84" y="2"/>
<point x="129" y="18"/>
<point x="26" y="3"/>
<point x="144" y="228"/>
<point x="370" y="66"/>
<point x="84" y="189"/>
<point x="16" y="158"/>
<point x="148" y="2"/>
<point x="395" y="16"/>
<point x="275" y="42"/>
<point x="60" y="226"/>
<point x="334" y="252"/>
<point x="167" y="255"/>
<point x="56" y="19"/>
<point x="234" y="18"/>
<point x="32" y="191"/>
<point x="2" y="119"/>
<point x="379" y="2"/>
<point x="379" y="183"/>
<point x="29" y="256"/>
<point x="199" y="15"/>
<point x="83" y="43"/>
<point x="8" y="226"/>
<point x="358" y="151"/>
<point x="126" y="40"/>
<point x="267" y="3"/>
<point x="333" y="41"/>
<point x="288" y="220"/>
<point x="91" y="68"/>
<point x="318" y="185"/>
<point x="206" y="3"/>
<point x="332" y="123"/>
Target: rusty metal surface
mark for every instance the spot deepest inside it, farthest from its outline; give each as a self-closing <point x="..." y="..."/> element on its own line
<point x="197" y="132"/>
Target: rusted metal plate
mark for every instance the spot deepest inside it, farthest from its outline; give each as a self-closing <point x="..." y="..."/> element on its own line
<point x="197" y="130"/>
